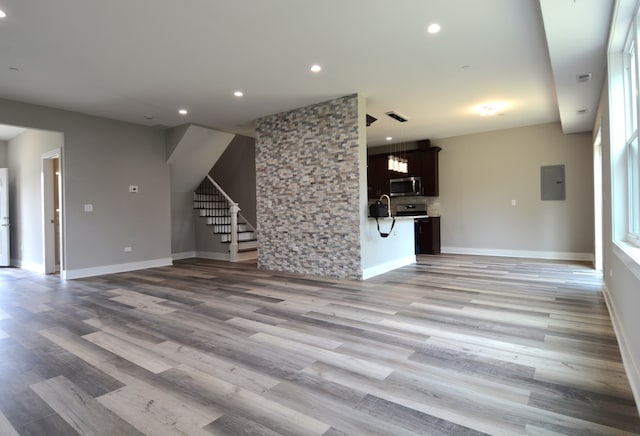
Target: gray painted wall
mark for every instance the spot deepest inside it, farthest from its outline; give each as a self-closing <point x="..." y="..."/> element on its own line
<point x="101" y="159"/>
<point x="309" y="164"/>
<point x="481" y="174"/>
<point x="235" y="172"/>
<point x="4" y="156"/>
<point x="25" y="197"/>
<point x="183" y="236"/>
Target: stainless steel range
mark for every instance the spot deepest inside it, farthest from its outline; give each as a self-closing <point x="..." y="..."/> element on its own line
<point x="411" y="209"/>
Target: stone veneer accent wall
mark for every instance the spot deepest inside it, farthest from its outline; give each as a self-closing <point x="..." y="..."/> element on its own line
<point x="307" y="190"/>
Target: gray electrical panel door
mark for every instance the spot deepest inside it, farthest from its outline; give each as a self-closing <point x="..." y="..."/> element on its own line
<point x="552" y="182"/>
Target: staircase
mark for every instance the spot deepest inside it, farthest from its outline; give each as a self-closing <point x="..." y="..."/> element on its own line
<point x="222" y="214"/>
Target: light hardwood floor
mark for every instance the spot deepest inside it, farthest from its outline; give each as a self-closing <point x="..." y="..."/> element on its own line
<point x="454" y="345"/>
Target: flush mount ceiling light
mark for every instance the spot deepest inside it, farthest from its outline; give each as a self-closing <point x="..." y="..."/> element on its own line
<point x="238" y="93"/>
<point x="315" y="68"/>
<point x="433" y="28"/>
<point x="183" y="111"/>
<point x="488" y="110"/>
<point x="491" y="108"/>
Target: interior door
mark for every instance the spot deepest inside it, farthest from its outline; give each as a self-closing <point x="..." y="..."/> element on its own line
<point x="4" y="218"/>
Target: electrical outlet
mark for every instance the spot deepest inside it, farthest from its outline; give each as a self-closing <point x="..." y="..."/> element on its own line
<point x="128" y="249"/>
<point x="133" y="188"/>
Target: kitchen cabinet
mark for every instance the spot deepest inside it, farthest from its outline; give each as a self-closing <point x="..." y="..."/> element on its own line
<point x="422" y="162"/>
<point x="377" y="176"/>
<point x="427" y="231"/>
<point x="428" y="171"/>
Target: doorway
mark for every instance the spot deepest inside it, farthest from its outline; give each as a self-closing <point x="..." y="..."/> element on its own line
<point x="52" y="212"/>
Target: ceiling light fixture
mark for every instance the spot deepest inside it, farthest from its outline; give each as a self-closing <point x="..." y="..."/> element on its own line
<point x="2" y="14"/>
<point x="315" y="68"/>
<point x="389" y="138"/>
<point x="433" y="28"/>
<point x="488" y="110"/>
<point x="238" y="93"/>
<point x="183" y="111"/>
<point x="491" y="108"/>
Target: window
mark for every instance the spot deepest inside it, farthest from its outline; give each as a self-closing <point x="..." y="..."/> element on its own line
<point x="631" y="86"/>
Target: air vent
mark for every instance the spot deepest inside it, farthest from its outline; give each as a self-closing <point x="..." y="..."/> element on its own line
<point x="582" y="111"/>
<point x="396" y="116"/>
<point x="584" y="77"/>
<point x="371" y="120"/>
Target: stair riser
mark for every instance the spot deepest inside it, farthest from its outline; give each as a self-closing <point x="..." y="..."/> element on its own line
<point x="246" y="236"/>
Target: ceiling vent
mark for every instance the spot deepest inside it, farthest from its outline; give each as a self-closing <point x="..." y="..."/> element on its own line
<point x="371" y="120"/>
<point x="582" y="111"/>
<point x="396" y="116"/>
<point x="584" y="77"/>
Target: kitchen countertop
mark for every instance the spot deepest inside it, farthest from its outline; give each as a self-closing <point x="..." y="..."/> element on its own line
<point x="403" y="217"/>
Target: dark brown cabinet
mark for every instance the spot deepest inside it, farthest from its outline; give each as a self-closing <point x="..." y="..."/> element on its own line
<point x="422" y="162"/>
<point x="429" y="171"/>
<point x="427" y="231"/>
<point x="377" y="176"/>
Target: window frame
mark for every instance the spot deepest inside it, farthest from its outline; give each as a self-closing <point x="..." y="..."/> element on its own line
<point x="631" y="83"/>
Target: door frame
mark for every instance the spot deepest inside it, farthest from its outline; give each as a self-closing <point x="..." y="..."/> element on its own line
<point x="48" y="231"/>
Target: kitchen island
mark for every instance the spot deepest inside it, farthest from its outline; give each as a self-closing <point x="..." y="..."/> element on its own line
<point x="380" y="255"/>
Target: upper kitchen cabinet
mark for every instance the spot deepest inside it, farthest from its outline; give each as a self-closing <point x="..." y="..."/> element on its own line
<point x="378" y="176"/>
<point x="428" y="170"/>
<point x="422" y="162"/>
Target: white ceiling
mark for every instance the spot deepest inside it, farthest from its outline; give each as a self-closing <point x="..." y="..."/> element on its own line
<point x="9" y="132"/>
<point x="127" y="59"/>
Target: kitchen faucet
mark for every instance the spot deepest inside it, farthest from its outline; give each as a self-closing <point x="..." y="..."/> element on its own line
<point x="388" y="203"/>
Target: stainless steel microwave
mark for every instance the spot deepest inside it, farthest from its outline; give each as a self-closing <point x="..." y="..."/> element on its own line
<point x="405" y="186"/>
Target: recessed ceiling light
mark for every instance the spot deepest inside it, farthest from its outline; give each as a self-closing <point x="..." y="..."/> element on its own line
<point x="388" y="138"/>
<point x="2" y="14"/>
<point x="316" y="68"/>
<point x="183" y="111"/>
<point x="433" y="28"/>
<point x="238" y="93"/>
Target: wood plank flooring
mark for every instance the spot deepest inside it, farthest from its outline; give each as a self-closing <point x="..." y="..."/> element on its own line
<point x="454" y="345"/>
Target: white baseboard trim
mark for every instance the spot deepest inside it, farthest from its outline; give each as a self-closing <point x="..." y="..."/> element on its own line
<point x="213" y="255"/>
<point x="631" y="366"/>
<point x="35" y="267"/>
<point x="367" y="273"/>
<point x="112" y="269"/>
<point x="183" y="255"/>
<point x="552" y="255"/>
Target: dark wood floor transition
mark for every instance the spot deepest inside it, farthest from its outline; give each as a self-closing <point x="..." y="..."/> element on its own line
<point x="454" y="345"/>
